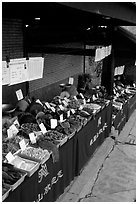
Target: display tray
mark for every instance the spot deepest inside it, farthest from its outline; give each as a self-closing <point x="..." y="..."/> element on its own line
<point x="14" y="186"/>
<point x="32" y="170"/>
<point x="5" y="195"/>
<point x="63" y="141"/>
<point x="41" y="161"/>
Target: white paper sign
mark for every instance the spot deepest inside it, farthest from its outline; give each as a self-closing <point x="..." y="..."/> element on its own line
<point x="22" y="145"/>
<point x="53" y="109"/>
<point x="18" y="71"/>
<point x="9" y="133"/>
<point x="35" y="68"/>
<point x="43" y="128"/>
<point x="98" y="55"/>
<point x="32" y="138"/>
<point x="14" y="129"/>
<point x="65" y="103"/>
<point x="61" y="107"/>
<point x="19" y="94"/>
<point x="5" y="73"/>
<point x="53" y="123"/>
<point x="75" y="98"/>
<point x="72" y="110"/>
<point x="38" y="101"/>
<point x="68" y="113"/>
<point x="61" y="118"/>
<point x="47" y="105"/>
<point x="71" y="80"/>
<point x="10" y="157"/>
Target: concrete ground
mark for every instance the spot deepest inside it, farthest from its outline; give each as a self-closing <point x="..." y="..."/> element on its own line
<point x="110" y="175"/>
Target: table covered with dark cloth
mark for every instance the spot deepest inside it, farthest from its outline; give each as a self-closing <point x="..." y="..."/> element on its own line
<point x="50" y="180"/>
<point x="131" y="105"/>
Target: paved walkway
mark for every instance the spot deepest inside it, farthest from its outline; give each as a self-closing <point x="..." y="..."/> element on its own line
<point x="110" y="175"/>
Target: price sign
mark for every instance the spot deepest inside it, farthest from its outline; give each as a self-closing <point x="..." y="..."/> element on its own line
<point x="61" y="107"/>
<point x="71" y="80"/>
<point x="9" y="133"/>
<point x="61" y="118"/>
<point x="10" y="157"/>
<point x="84" y="101"/>
<point x="81" y="95"/>
<point x="43" y="128"/>
<point x="19" y="94"/>
<point x="47" y="105"/>
<point x="68" y="113"/>
<point x="53" y="123"/>
<point x="53" y="109"/>
<point x="22" y="145"/>
<point x="75" y="98"/>
<point x="16" y="123"/>
<point x="38" y="101"/>
<point x="73" y="111"/>
<point x="65" y="103"/>
<point x="14" y="129"/>
<point x="32" y="138"/>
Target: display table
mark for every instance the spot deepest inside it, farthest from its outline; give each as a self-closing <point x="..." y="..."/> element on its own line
<point x="131" y="105"/>
<point x="121" y="118"/>
<point x="50" y="180"/>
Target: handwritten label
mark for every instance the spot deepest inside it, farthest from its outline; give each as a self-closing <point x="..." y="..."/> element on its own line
<point x="71" y="80"/>
<point x="38" y="101"/>
<point x="32" y="138"/>
<point x="73" y="111"/>
<point x="53" y="123"/>
<point x="61" y="107"/>
<point x="47" y="105"/>
<point x="14" y="129"/>
<point x="19" y="94"/>
<point x="22" y="145"/>
<point x="61" y="118"/>
<point x="43" y="128"/>
<point x="53" y="109"/>
<point x="10" y="157"/>
<point x="9" y="133"/>
<point x="68" y="113"/>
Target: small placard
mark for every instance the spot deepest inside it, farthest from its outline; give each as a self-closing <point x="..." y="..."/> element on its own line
<point x="84" y="101"/>
<point x="19" y="94"/>
<point x="65" y="103"/>
<point x="43" y="128"/>
<point x="16" y="123"/>
<point x="53" y="123"/>
<point x="38" y="101"/>
<point x="53" y="109"/>
<point x="66" y="99"/>
<point x="22" y="145"/>
<point x="81" y="95"/>
<point x="10" y="157"/>
<point x="32" y="138"/>
<point x="61" y="118"/>
<point x="47" y="105"/>
<point x="61" y="107"/>
<point x="14" y="129"/>
<point x="71" y="80"/>
<point x="68" y="113"/>
<point x="9" y="133"/>
<point x="75" y="98"/>
<point x="73" y="111"/>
